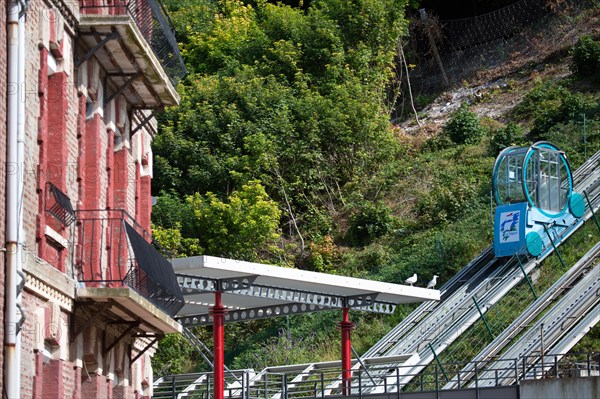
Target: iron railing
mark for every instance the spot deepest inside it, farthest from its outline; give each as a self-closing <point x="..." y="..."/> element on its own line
<point x="285" y="385"/>
<point x="154" y="23"/>
<point x="112" y="250"/>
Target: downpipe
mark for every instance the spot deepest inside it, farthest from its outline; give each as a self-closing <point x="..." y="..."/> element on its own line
<point x="11" y="322"/>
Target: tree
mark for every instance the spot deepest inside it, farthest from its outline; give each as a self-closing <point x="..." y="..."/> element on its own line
<point x="241" y="227"/>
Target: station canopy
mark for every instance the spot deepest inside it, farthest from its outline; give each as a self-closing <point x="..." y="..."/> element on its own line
<point x="257" y="291"/>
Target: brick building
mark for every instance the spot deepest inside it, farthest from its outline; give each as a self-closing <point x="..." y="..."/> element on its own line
<point x="85" y="294"/>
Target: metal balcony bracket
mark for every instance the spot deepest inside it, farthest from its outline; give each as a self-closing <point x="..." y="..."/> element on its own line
<point x="136" y="66"/>
<point x="121" y="89"/>
<point x="132" y="325"/>
<point x="90" y="321"/>
<point x="107" y="37"/>
<point x="145" y="120"/>
<point x="150" y="345"/>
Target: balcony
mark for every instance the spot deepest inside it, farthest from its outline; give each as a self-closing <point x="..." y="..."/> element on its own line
<point x="122" y="273"/>
<point x="135" y="43"/>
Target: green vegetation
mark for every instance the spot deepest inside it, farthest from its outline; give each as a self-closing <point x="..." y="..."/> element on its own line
<point x="282" y="152"/>
<point x="586" y="57"/>
<point x="464" y="127"/>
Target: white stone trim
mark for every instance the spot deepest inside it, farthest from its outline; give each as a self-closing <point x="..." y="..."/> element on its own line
<point x="56" y="237"/>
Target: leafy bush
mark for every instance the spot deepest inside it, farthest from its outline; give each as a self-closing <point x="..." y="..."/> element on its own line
<point x="570" y="136"/>
<point x="464" y="127"/>
<point x="445" y="202"/>
<point x="370" y="222"/>
<point x="512" y="134"/>
<point x="241" y="227"/>
<point x="550" y="104"/>
<point x="324" y="255"/>
<point x="437" y="143"/>
<point x="586" y="57"/>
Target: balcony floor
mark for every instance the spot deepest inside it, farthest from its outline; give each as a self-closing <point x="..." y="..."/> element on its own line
<point x="128" y="305"/>
<point x="126" y="56"/>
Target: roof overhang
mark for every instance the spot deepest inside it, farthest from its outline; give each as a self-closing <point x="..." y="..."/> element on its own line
<point x="254" y="290"/>
<point x="131" y="64"/>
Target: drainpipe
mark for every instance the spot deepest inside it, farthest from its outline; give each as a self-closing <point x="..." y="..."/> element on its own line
<point x="20" y="189"/>
<point x="12" y="376"/>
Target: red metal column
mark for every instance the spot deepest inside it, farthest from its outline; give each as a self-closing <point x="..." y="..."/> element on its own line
<point x="346" y="326"/>
<point x="218" y="315"/>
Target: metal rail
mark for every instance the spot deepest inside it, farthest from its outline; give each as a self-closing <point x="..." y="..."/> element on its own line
<point x="435" y="325"/>
<point x="526" y="317"/>
<point x="572" y="307"/>
<point x="449" y="318"/>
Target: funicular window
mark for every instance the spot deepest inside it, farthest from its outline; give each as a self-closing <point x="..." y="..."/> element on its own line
<point x="548" y="183"/>
<point x="509" y="179"/>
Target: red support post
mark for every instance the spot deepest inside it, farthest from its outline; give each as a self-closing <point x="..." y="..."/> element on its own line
<point x="218" y="314"/>
<point x="346" y="327"/>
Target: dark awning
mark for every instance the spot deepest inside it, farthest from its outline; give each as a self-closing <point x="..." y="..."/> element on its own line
<point x="155" y="278"/>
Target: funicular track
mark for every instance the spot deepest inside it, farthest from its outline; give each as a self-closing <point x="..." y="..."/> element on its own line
<point x="433" y="326"/>
<point x="573" y="306"/>
<point x="579" y="280"/>
<point x="446" y="320"/>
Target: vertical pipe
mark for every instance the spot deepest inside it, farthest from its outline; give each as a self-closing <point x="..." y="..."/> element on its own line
<point x="20" y="189"/>
<point x="346" y="327"/>
<point x="218" y="315"/>
<point x="12" y="379"/>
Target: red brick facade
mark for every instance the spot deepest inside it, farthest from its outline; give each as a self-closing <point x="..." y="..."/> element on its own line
<point x="82" y="145"/>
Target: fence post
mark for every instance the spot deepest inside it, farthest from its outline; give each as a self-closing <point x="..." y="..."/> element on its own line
<point x="438" y="59"/>
<point x="398" y="381"/>
<point x="592" y="210"/>
<point x="360" y="384"/>
<point x="476" y="381"/>
<point x="265" y="384"/>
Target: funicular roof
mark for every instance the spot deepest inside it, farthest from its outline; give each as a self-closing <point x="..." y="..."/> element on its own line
<point x="254" y="291"/>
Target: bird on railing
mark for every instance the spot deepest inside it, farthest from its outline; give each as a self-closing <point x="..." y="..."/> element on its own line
<point x="411" y="280"/>
<point x="433" y="282"/>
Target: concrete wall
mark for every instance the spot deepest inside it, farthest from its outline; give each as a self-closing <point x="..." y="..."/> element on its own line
<point x="564" y="388"/>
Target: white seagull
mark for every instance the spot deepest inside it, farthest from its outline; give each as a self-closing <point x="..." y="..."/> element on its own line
<point x="433" y="282"/>
<point x="411" y="280"/>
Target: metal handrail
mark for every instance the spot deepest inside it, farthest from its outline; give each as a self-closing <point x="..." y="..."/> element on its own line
<point x="113" y="250"/>
<point x="152" y="19"/>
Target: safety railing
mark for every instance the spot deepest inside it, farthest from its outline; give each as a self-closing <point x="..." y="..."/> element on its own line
<point x="112" y="250"/>
<point x="279" y="385"/>
<point x="153" y="22"/>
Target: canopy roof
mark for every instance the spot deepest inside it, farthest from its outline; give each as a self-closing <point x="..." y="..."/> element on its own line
<point x="254" y="291"/>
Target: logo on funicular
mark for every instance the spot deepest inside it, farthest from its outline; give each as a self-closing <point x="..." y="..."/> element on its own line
<point x="509" y="226"/>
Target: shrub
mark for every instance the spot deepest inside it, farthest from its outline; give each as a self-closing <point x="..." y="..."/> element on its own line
<point x="324" y="255"/>
<point x="586" y="57"/>
<point x="512" y="134"/>
<point x="444" y="203"/>
<point x="464" y="127"/>
<point x="550" y="104"/>
<point x="370" y="222"/>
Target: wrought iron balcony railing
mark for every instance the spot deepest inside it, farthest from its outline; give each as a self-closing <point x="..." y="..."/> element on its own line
<point x="112" y="250"/>
<point x="153" y="22"/>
